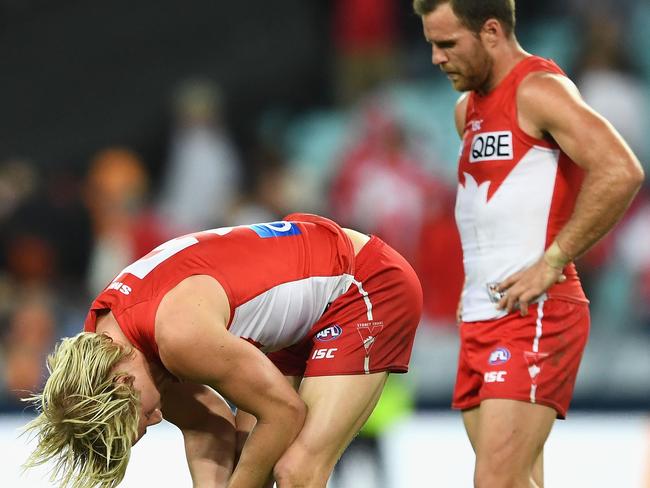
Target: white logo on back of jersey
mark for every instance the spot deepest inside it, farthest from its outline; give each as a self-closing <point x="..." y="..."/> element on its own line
<point x="491" y="146"/>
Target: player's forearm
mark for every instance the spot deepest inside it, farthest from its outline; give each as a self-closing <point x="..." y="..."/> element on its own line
<point x="603" y="198"/>
<point x="265" y="445"/>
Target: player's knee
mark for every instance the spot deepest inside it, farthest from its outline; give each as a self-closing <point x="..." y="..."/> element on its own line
<point x="490" y="474"/>
<point x="293" y="471"/>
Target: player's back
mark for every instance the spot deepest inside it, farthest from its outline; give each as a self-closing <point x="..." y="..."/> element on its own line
<point x="279" y="278"/>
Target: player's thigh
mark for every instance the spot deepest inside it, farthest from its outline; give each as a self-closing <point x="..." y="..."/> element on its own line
<point x="510" y="434"/>
<point x="471" y="422"/>
<point x="338" y="406"/>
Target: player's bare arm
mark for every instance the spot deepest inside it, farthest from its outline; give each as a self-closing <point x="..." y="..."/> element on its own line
<point x="459" y="113"/>
<point x="208" y="429"/>
<point x="195" y="346"/>
<point x="550" y="106"/>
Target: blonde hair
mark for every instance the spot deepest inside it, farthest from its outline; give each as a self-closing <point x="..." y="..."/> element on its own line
<point x="88" y="413"/>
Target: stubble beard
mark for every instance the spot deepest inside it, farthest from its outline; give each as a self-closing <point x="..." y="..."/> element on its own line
<point x="477" y="74"/>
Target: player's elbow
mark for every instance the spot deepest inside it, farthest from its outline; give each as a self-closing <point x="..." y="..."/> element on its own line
<point x="638" y="175"/>
<point x="634" y="176"/>
<point x="628" y="177"/>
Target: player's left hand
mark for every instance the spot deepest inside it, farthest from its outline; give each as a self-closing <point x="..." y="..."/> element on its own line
<point x="521" y="288"/>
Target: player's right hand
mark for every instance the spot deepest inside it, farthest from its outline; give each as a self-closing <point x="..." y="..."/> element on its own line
<point x="523" y="287"/>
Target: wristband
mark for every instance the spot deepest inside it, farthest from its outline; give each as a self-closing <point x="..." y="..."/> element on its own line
<point x="555" y="257"/>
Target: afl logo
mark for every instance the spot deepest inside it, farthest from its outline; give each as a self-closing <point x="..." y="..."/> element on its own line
<point x="329" y="334"/>
<point x="499" y="356"/>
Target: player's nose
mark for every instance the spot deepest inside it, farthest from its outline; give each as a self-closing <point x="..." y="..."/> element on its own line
<point x="438" y="56"/>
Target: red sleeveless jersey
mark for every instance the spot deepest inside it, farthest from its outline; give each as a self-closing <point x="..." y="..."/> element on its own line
<point x="515" y="193"/>
<point x="279" y="278"/>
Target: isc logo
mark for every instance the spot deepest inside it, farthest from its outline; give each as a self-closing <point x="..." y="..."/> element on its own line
<point x="324" y="353"/>
<point x="330" y="333"/>
<point x="495" y="376"/>
<point x="491" y="146"/>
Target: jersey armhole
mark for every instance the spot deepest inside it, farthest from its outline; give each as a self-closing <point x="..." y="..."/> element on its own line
<point x="514" y="115"/>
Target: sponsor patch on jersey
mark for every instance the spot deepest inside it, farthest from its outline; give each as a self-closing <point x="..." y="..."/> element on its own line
<point x="499" y="356"/>
<point x="491" y="146"/>
<point x="329" y="333"/>
<point x="275" y="229"/>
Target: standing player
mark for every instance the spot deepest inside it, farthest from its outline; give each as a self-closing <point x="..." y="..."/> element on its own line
<point x="542" y="178"/>
<point x="330" y="305"/>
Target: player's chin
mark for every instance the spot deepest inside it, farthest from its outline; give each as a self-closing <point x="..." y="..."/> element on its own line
<point x="460" y="84"/>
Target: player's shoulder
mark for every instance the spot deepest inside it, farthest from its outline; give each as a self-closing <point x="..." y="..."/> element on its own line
<point x="544" y="96"/>
<point x="540" y="86"/>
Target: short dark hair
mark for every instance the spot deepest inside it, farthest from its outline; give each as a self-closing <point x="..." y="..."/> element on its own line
<point x="474" y="13"/>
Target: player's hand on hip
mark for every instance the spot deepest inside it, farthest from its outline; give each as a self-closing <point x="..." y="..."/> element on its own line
<point x="521" y="288"/>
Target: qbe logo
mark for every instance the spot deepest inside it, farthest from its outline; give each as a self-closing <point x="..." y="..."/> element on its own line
<point x="330" y="333"/>
<point x="491" y="146"/>
<point x="499" y="356"/>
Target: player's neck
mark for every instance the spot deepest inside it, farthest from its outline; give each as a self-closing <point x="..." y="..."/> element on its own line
<point x="505" y="57"/>
<point x="107" y="324"/>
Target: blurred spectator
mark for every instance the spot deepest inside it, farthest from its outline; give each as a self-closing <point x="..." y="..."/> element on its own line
<point x="439" y="261"/>
<point x="203" y="174"/>
<point x="380" y="187"/>
<point x="618" y="11"/>
<point x="18" y="180"/>
<point x="608" y="82"/>
<point x="30" y="336"/>
<point x="125" y="227"/>
<point x="633" y="249"/>
<point x="366" y="42"/>
<point x="47" y="233"/>
<point x="267" y="197"/>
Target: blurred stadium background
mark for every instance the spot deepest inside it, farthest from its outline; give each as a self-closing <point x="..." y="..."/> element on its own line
<point x="125" y="123"/>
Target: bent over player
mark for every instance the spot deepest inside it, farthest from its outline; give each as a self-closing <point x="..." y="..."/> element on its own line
<point x="333" y="309"/>
<point x="542" y="177"/>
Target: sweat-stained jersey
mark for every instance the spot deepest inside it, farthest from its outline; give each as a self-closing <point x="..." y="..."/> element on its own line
<point x="515" y="193"/>
<point x="279" y="278"/>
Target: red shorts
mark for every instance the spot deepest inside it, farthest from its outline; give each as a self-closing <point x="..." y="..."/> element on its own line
<point x="533" y="359"/>
<point x="368" y="329"/>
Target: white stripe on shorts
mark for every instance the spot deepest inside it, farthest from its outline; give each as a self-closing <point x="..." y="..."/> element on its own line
<point x="538" y="336"/>
<point x="366" y="299"/>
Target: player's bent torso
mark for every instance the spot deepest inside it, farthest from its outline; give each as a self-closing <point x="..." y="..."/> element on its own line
<point x="279" y="278"/>
<point x="515" y="193"/>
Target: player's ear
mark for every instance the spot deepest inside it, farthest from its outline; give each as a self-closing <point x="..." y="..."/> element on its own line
<point x="123" y="378"/>
<point x="491" y="32"/>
